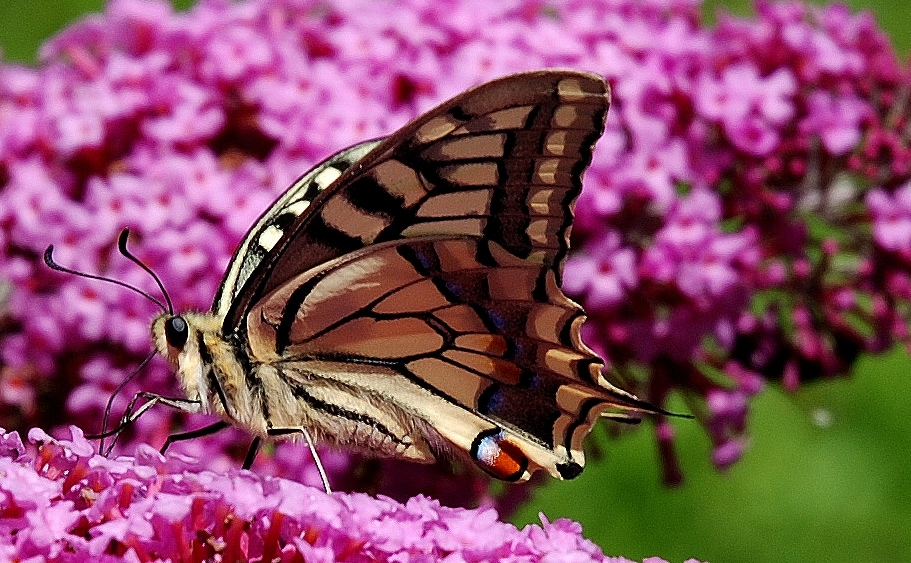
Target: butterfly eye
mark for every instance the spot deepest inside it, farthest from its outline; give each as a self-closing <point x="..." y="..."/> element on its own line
<point x="176" y="331"/>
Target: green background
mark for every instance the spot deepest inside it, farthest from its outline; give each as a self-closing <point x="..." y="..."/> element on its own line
<point x="827" y="476"/>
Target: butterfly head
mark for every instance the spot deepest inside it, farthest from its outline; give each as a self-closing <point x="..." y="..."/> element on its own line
<point x="172" y="336"/>
<point x="186" y="340"/>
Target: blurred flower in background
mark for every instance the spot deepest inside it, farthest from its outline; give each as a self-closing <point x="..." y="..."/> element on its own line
<point x="746" y="218"/>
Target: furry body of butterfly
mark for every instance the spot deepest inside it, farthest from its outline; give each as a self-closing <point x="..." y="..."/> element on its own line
<point x="402" y="298"/>
<point x="207" y="355"/>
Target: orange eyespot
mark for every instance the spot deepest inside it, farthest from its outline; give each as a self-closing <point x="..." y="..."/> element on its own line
<point x="176" y="331"/>
<point x="495" y="454"/>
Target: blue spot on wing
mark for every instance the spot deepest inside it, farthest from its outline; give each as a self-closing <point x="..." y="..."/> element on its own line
<point x="454" y="289"/>
<point x="427" y="259"/>
<point x="421" y="256"/>
<point x="492" y="401"/>
<point x="498" y="320"/>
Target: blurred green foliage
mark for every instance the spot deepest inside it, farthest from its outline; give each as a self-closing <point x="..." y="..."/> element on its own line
<point x="25" y="24"/>
<point x="826" y="477"/>
<point x="891" y="15"/>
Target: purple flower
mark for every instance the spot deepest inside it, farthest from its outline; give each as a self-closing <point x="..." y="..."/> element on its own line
<point x="73" y="132"/>
<point x="748" y="105"/>
<point x="892" y="218"/>
<point x="691" y="252"/>
<point x="837" y="121"/>
<point x="237" y="52"/>
<point x="604" y="277"/>
<point x="61" y="498"/>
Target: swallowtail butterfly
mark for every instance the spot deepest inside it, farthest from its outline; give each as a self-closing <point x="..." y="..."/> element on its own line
<point x="403" y="297"/>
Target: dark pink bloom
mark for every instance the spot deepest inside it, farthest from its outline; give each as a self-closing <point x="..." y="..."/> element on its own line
<point x="603" y="277"/>
<point x="892" y="218"/>
<point x="837" y="121"/>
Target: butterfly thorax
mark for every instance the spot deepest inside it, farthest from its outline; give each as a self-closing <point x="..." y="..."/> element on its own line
<point x="208" y="366"/>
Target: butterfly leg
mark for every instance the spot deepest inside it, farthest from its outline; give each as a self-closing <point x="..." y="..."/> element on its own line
<point x="198" y="433"/>
<point x="301" y="430"/>
<point x="130" y="415"/>
<point x="251" y="453"/>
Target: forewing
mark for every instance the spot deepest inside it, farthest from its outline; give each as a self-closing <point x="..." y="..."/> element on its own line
<point x="502" y="161"/>
<point x="459" y="332"/>
<point x="272" y="224"/>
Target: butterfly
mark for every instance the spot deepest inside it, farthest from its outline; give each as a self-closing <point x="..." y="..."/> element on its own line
<point x="403" y="297"/>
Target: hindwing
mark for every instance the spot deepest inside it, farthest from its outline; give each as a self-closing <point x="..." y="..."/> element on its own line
<point x="458" y="332"/>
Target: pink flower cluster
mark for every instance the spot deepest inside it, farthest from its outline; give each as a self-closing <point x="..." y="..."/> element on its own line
<point x="729" y="232"/>
<point x="62" y="503"/>
<point x="744" y="218"/>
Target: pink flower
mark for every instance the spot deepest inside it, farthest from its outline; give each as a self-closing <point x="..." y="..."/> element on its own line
<point x="184" y="112"/>
<point x="63" y="498"/>
<point x="603" y="277"/>
<point x="235" y="53"/>
<point x="836" y="120"/>
<point x="892" y="218"/>
<point x="749" y="106"/>
<point x="690" y="251"/>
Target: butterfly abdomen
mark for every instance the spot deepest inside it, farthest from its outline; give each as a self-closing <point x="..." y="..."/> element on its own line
<point x="305" y="393"/>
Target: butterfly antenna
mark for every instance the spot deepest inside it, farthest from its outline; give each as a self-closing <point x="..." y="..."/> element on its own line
<point x="122" y="246"/>
<point x="110" y="405"/>
<point x="49" y="261"/>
